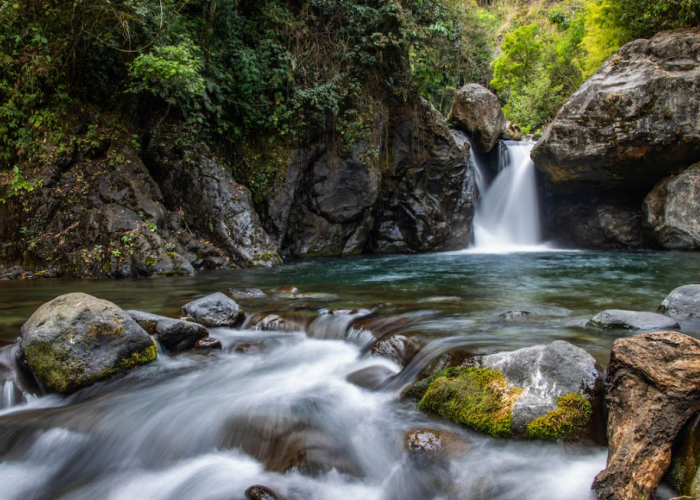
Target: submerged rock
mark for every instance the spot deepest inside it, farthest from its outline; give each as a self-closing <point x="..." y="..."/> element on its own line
<point x="283" y="321"/>
<point x="541" y="392"/>
<point x="433" y="442"/>
<point x="477" y="111"/>
<point x="398" y="348"/>
<point x="208" y="343"/>
<point x="372" y="377"/>
<point x="259" y="492"/>
<point x="632" y="320"/>
<point x="652" y="391"/>
<point x="284" y="443"/>
<point x="174" y="334"/>
<point x="632" y="123"/>
<point x="242" y="293"/>
<point x="214" y="310"/>
<point x="682" y="303"/>
<point x="76" y="340"/>
<point x="515" y="315"/>
<point x="672" y="211"/>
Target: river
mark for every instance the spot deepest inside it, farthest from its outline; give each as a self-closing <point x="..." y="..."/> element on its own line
<point x="209" y="426"/>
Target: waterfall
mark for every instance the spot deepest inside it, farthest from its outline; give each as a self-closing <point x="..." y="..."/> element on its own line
<point x="507" y="216"/>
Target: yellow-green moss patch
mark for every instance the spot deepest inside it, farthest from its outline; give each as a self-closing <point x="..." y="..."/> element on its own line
<point x="572" y="415"/>
<point x="478" y="398"/>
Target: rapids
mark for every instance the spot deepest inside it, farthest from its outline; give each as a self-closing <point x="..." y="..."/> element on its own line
<point x="204" y="426"/>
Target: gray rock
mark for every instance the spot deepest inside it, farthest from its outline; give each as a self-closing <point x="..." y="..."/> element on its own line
<point x="214" y="310"/>
<point x="477" y="111"/>
<point x="672" y="211"/>
<point x="76" y="340"/>
<point x="429" y="193"/>
<point x="174" y="334"/>
<point x="242" y="293"/>
<point x="632" y="123"/>
<point x="372" y="377"/>
<point x="545" y="372"/>
<point x="212" y="203"/>
<point x="329" y="203"/>
<point x="597" y="224"/>
<point x="632" y="320"/>
<point x="683" y="303"/>
<point x="398" y="348"/>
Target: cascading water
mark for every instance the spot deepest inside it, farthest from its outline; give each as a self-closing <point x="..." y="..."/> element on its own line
<point x="507" y="216"/>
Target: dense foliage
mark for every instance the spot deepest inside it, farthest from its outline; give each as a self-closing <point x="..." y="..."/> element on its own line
<point x="245" y="75"/>
<point x="252" y="77"/>
<point x="550" y="47"/>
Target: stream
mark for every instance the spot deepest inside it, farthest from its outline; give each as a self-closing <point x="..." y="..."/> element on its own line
<point x="200" y="426"/>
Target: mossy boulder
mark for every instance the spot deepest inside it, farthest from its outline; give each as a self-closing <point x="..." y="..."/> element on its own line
<point x="546" y="392"/>
<point x="76" y="340"/>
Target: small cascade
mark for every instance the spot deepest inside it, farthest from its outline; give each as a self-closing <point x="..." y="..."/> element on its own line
<point x="507" y="216"/>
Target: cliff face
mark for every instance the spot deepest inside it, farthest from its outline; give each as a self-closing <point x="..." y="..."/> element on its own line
<point x="101" y="212"/>
<point x="117" y="210"/>
<point x="409" y="190"/>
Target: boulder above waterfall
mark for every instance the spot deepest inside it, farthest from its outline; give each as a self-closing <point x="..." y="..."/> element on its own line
<point x="477" y="111"/>
<point x="76" y="340"/>
<point x="633" y="122"/>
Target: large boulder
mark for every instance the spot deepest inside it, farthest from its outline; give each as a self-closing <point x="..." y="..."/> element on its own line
<point x="682" y="303"/>
<point x="672" y="211"/>
<point x="332" y="212"/>
<point x="76" y="340"/>
<point x="632" y="320"/>
<point x="632" y="123"/>
<point x="652" y="391"/>
<point x="541" y="392"/>
<point x="477" y="111"/>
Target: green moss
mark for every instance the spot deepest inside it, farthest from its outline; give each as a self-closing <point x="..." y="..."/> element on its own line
<point x="62" y="372"/>
<point x="139" y="358"/>
<point x="572" y="415"/>
<point x="476" y="397"/>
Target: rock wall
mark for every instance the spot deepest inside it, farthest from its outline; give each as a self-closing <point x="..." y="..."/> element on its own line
<point x="105" y="215"/>
<point x="409" y="189"/>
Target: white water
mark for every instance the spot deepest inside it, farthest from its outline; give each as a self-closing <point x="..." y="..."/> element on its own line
<point x="508" y="217"/>
<point x="197" y="427"/>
